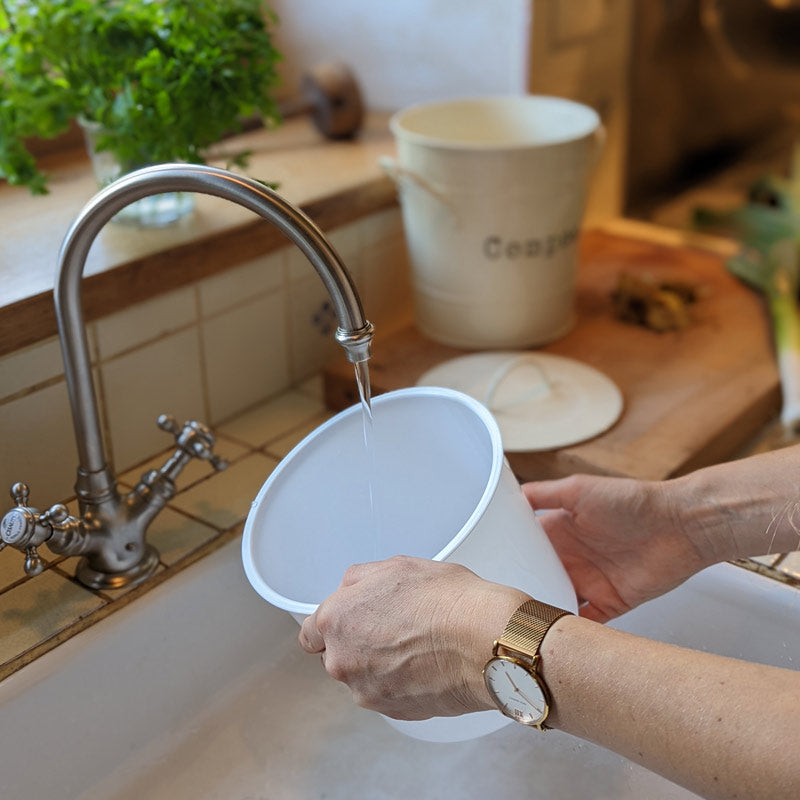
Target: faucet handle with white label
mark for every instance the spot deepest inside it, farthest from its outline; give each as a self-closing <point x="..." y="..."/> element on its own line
<point x="25" y="527"/>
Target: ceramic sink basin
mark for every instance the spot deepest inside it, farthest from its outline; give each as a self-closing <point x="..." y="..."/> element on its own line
<point x="199" y="690"/>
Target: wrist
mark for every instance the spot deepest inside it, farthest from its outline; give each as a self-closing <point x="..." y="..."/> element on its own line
<point x="699" y="518"/>
<point x="493" y="614"/>
<point x="564" y="634"/>
<point x="741" y="508"/>
<point x="513" y="675"/>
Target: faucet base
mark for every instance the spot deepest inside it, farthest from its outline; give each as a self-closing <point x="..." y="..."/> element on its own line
<point x="95" y="579"/>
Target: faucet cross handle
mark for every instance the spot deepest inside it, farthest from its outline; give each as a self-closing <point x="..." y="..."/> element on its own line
<point x="21" y="527"/>
<point x="195" y="439"/>
<point x="25" y="528"/>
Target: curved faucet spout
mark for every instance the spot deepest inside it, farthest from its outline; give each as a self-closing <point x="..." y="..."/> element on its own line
<point x="355" y="332"/>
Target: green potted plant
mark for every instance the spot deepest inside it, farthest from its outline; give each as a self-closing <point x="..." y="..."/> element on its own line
<point x="151" y="81"/>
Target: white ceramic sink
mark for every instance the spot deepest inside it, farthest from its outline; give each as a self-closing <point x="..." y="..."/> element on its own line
<point x="199" y="690"/>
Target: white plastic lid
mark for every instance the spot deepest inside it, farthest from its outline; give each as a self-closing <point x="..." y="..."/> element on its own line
<point x="540" y="401"/>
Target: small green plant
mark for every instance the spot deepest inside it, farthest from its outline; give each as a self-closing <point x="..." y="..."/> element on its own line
<point x="162" y="79"/>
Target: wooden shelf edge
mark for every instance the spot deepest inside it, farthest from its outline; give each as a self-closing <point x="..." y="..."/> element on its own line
<point x="33" y="319"/>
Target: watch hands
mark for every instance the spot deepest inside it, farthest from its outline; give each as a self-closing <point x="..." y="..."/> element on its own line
<point x="511" y="681"/>
<point x="521" y="693"/>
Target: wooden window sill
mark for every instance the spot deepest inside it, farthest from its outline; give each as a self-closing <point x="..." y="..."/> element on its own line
<point x="333" y="182"/>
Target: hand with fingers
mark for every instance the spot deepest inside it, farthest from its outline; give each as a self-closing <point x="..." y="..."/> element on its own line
<point x="621" y="541"/>
<point x="625" y="541"/>
<point x="409" y="636"/>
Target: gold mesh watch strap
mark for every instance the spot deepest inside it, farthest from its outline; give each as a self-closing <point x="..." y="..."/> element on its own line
<point x="528" y="626"/>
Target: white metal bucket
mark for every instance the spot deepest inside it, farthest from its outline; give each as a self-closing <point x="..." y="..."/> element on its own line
<point x="493" y="191"/>
<point x="442" y="489"/>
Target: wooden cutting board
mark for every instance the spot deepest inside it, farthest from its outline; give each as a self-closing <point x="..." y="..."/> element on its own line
<point x="692" y="397"/>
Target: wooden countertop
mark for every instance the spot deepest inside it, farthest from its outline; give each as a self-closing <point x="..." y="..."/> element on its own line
<point x="333" y="182"/>
<point x="692" y="397"/>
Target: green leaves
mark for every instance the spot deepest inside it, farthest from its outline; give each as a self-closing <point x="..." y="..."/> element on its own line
<point x="768" y="228"/>
<point x="164" y="78"/>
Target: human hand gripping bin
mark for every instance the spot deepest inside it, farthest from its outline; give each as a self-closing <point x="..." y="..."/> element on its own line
<point x="433" y="483"/>
<point x="493" y="191"/>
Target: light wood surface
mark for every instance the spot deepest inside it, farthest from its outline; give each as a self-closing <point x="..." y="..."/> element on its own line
<point x="333" y="182"/>
<point x="692" y="397"/>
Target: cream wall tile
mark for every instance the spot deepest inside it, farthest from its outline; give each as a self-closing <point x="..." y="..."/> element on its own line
<point x="385" y="224"/>
<point x="273" y="419"/>
<point x="27" y="368"/>
<point x="235" y="286"/>
<point x="313" y="387"/>
<point x="299" y="266"/>
<point x="145" y="322"/>
<point x="160" y="378"/>
<point x="346" y="240"/>
<point x="38" y="446"/>
<point x="225" y="501"/>
<point x="245" y="355"/>
<point x="312" y="325"/>
<point x="388" y="295"/>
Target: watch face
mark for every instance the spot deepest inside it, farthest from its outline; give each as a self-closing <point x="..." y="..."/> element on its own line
<point x="517" y="692"/>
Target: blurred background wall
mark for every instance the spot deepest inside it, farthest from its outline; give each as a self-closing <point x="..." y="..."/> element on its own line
<point x="686" y="88"/>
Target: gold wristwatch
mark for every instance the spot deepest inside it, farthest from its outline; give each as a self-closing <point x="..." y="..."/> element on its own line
<point x="512" y="674"/>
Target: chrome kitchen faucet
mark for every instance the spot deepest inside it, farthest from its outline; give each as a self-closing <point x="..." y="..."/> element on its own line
<point x="110" y="531"/>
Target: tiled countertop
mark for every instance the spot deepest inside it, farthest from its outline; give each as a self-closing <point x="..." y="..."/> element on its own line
<point x="37" y="614"/>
